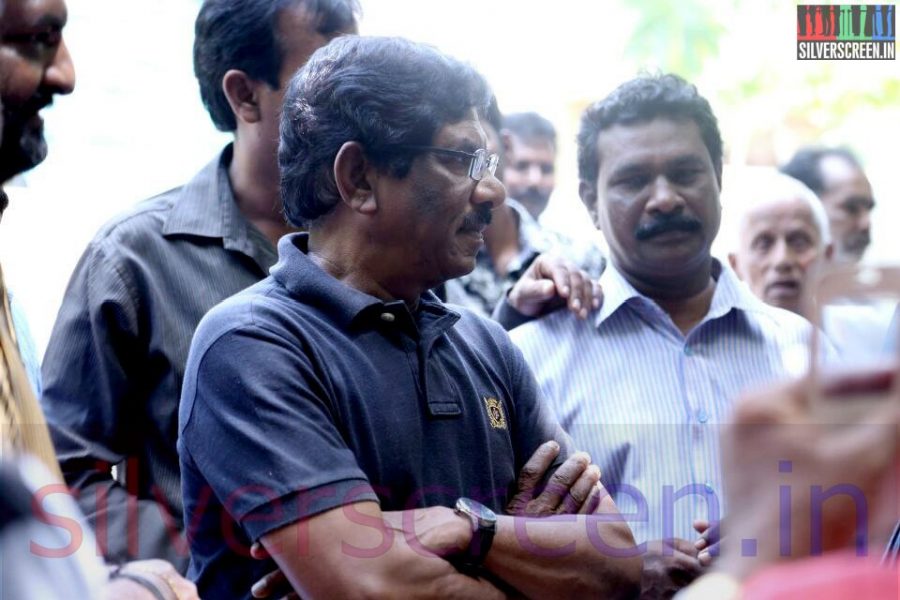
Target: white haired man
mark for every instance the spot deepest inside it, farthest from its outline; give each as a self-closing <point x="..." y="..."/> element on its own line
<point x="783" y="237"/>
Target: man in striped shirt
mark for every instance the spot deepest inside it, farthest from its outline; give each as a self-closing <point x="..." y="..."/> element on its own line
<point x="643" y="383"/>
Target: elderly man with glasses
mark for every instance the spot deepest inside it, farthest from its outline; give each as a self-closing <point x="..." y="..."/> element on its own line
<point x="377" y="442"/>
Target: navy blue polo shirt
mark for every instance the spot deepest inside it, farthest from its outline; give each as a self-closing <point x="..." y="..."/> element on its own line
<point x="302" y="394"/>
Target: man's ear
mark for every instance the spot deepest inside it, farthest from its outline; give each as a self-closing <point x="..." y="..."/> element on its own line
<point x="733" y="261"/>
<point x="352" y="175"/>
<point x="588" y="193"/>
<point x="829" y="251"/>
<point x="241" y="92"/>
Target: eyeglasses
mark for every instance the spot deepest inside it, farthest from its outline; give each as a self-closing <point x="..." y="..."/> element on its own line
<point x="480" y="161"/>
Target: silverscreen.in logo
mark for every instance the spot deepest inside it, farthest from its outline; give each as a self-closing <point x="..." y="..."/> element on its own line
<point x="846" y="32"/>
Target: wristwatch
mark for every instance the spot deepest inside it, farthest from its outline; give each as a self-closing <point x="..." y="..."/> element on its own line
<point x="484" y="525"/>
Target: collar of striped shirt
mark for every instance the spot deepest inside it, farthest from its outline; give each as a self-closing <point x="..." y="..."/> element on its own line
<point x="731" y="293"/>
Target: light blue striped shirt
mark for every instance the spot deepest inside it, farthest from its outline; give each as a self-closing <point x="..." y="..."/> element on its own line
<point x="645" y="401"/>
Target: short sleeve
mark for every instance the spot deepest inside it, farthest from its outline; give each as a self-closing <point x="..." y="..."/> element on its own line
<point x="536" y="421"/>
<point x="257" y="423"/>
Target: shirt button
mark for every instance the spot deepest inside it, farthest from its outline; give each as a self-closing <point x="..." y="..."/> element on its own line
<point x="388" y="317"/>
<point x="688" y="351"/>
<point x="709" y="488"/>
<point x="702" y="416"/>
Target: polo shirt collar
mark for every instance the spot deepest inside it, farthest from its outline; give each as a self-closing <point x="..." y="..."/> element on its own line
<point x="207" y="208"/>
<point x="348" y="306"/>
<point x="730" y="294"/>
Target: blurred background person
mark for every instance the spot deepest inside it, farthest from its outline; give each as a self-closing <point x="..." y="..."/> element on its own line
<point x="115" y="361"/>
<point x="47" y="552"/>
<point x="529" y="141"/>
<point x="515" y="238"/>
<point x="837" y="178"/>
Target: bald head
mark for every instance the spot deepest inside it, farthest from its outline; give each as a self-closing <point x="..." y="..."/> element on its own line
<point x="783" y="237"/>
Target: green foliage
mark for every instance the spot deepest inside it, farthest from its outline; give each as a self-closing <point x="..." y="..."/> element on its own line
<point x="674" y="37"/>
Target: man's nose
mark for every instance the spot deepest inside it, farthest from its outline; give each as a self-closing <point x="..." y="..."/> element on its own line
<point x="489" y="190"/>
<point x="664" y="197"/>
<point x="865" y="220"/>
<point x="60" y="74"/>
<point x="535" y="175"/>
<point x="783" y="258"/>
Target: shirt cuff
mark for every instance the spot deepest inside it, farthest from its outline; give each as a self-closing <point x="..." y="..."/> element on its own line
<point x="299" y="505"/>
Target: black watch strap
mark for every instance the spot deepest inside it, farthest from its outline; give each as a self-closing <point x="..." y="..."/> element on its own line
<point x="480" y="544"/>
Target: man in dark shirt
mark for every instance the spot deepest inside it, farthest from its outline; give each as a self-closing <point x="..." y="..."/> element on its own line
<point x="336" y="410"/>
<point x="115" y="362"/>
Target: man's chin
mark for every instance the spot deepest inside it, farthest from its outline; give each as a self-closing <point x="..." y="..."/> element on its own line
<point x="28" y="153"/>
<point x="534" y="205"/>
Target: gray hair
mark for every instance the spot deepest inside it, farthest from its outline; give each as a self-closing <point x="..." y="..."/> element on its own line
<point x="769" y="185"/>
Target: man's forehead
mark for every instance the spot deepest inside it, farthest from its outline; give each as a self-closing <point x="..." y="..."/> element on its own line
<point x="838" y="171"/>
<point x="531" y="144"/>
<point x="624" y="146"/>
<point x="467" y="131"/>
<point x="780" y="211"/>
<point x="34" y="13"/>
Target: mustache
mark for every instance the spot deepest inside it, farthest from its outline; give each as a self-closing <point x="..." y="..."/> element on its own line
<point x="677" y="222"/>
<point x="28" y="109"/>
<point x="478" y="218"/>
<point x="859" y="240"/>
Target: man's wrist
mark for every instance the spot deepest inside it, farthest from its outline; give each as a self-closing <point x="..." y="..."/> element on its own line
<point x="483" y="525"/>
<point x="507" y="315"/>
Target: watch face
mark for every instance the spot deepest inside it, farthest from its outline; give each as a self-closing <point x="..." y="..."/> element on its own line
<point x="477" y="510"/>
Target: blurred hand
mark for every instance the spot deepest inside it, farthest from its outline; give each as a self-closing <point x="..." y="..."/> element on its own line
<point x="669" y="565"/>
<point x="777" y="439"/>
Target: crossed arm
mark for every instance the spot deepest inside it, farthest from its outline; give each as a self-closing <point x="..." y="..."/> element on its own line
<point x="359" y="551"/>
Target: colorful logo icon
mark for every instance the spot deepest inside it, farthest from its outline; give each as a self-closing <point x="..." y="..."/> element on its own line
<point x="846" y="32"/>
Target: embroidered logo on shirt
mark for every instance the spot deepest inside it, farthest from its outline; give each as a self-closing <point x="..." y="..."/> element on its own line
<point x="495" y="413"/>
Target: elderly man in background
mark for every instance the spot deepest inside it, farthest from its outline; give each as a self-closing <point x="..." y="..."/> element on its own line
<point x="783" y="239"/>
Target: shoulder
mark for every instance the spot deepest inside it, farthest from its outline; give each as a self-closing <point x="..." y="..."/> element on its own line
<point x="145" y="219"/>
<point x="131" y="235"/>
<point x="262" y="307"/>
<point x="549" y="329"/>
<point x="764" y="319"/>
<point x="777" y="322"/>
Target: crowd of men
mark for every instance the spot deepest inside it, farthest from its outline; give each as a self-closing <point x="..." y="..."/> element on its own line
<point x="292" y="376"/>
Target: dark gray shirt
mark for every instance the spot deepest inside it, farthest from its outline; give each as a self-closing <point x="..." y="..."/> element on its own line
<point x="115" y="362"/>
